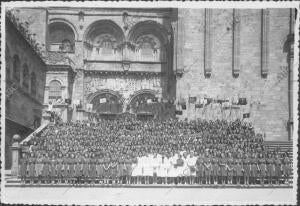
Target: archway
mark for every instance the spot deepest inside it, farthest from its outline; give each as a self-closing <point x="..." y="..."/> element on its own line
<point x="102" y="39"/>
<point x="106" y="102"/>
<point x="144" y="104"/>
<point x="61" y="37"/>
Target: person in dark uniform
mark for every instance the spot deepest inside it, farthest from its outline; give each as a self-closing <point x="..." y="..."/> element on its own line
<point x="278" y="169"/>
<point x="23" y="168"/>
<point x="246" y="169"/>
<point x="270" y="169"/>
<point x="78" y="171"/>
<point x="215" y="169"/>
<point x="100" y="169"/>
<point x="85" y="168"/>
<point x="31" y="167"/>
<point x="113" y="170"/>
<point x="207" y="169"/>
<point x="59" y="168"/>
<point x="72" y="164"/>
<point x="253" y="169"/>
<point x="53" y="171"/>
<point x="200" y="169"/>
<point x="65" y="167"/>
<point x="128" y="169"/>
<point x="262" y="169"/>
<point x="223" y="167"/>
<point x="238" y="169"/>
<point x="92" y="169"/>
<point x="106" y="172"/>
<point x="230" y="169"/>
<point x="286" y="166"/>
<point x="46" y="169"/>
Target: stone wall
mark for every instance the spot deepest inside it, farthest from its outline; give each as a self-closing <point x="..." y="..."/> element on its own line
<point x="22" y="106"/>
<point x="267" y="97"/>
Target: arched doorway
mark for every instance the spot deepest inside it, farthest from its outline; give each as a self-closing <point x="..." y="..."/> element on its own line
<point x="144" y="104"/>
<point x="106" y="104"/>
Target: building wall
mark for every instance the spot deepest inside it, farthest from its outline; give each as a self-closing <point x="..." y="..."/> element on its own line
<point x="267" y="97"/>
<point x="23" y="110"/>
<point x="22" y="105"/>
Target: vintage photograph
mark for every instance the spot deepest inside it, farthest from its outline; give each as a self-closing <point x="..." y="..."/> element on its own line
<point x="149" y="103"/>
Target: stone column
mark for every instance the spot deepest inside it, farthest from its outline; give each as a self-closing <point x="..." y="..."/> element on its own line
<point x="15" y="149"/>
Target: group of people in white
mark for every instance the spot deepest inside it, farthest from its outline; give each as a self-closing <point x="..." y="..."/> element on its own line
<point x="153" y="166"/>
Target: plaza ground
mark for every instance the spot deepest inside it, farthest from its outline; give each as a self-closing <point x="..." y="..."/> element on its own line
<point x="169" y="195"/>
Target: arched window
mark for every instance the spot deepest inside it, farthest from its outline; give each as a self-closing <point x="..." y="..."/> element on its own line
<point x="107" y="47"/>
<point x="16" y="68"/>
<point x="55" y="92"/>
<point x="33" y="84"/>
<point x="147" y="50"/>
<point x="25" y="77"/>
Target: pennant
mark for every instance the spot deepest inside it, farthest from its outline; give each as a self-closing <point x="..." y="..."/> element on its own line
<point x="246" y="115"/>
<point x="103" y="100"/>
<point x="192" y="100"/>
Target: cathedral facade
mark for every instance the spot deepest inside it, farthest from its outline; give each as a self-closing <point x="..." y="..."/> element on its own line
<point x="197" y="63"/>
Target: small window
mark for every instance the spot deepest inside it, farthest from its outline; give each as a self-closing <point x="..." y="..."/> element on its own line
<point x="25" y="77"/>
<point x="16" y="68"/>
<point x="55" y="91"/>
<point x="33" y="84"/>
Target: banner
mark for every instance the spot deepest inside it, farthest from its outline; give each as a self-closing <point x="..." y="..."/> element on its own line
<point x="246" y="115"/>
<point x="103" y="100"/>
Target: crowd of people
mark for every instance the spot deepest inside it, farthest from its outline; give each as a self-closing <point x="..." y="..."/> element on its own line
<point x="129" y="151"/>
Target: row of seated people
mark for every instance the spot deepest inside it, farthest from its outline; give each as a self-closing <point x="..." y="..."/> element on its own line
<point x="185" y="168"/>
<point x="108" y="145"/>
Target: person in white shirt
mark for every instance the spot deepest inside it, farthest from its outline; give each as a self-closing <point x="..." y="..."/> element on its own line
<point x="191" y="163"/>
<point x="163" y="169"/>
<point x="172" y="174"/>
<point x="148" y="167"/>
<point x="156" y="166"/>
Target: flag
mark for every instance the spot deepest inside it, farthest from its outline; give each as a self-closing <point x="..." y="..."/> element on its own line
<point x="178" y="112"/>
<point x="192" y="100"/>
<point x="103" y="100"/>
<point x="246" y="115"/>
<point x="242" y="101"/>
<point x="198" y="105"/>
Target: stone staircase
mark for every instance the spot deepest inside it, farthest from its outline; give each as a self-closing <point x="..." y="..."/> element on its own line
<point x="283" y="146"/>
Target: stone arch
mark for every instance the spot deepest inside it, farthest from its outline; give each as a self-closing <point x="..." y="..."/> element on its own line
<point x="62" y="36"/>
<point x="139" y="98"/>
<point x="64" y="21"/>
<point x="102" y="39"/>
<point x="103" y="26"/>
<point x="148" y="27"/>
<point x="113" y="104"/>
